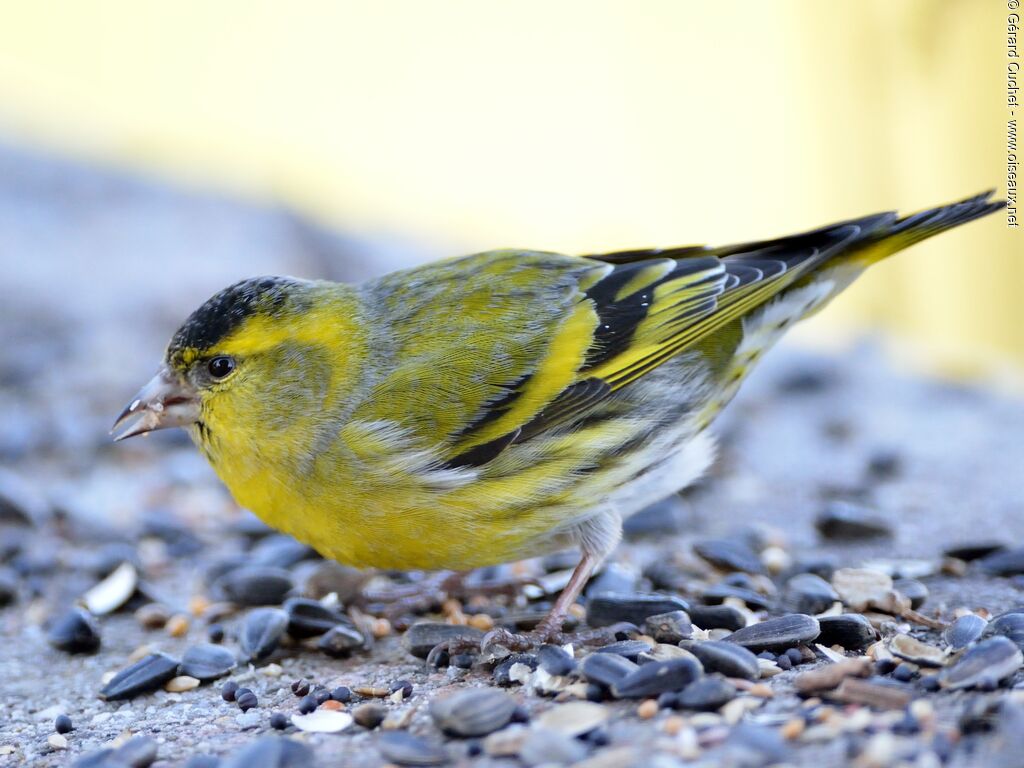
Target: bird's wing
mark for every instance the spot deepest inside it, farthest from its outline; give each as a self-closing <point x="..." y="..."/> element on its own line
<point x="491" y="350"/>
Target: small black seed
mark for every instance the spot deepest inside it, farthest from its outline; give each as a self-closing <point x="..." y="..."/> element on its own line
<point x="300" y="687"/>
<point x="228" y="690"/>
<point x="320" y="695"/>
<point x="307" y="704"/>
<point x="63" y="724"/>
<point x="554" y="660"/>
<point x="885" y="666"/>
<point x="279" y="721"/>
<point x="795" y="656"/>
<point x="520" y="714"/>
<point x="904" y="673"/>
<point x="930" y="683"/>
<point x="595" y="692"/>
<point x="463" y="661"/>
<point x="784" y="662"/>
<point x="216" y="633"/>
<point x="344" y="695"/>
<point x="247" y="701"/>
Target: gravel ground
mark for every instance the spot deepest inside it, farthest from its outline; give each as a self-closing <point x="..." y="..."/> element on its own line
<point x="924" y="465"/>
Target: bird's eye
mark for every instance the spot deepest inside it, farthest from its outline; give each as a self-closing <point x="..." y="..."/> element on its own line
<point x="220" y="366"/>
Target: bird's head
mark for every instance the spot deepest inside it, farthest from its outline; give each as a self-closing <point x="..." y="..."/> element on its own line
<point x="253" y="358"/>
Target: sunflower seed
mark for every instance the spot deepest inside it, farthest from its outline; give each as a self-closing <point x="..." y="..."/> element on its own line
<point x="420" y="639"/>
<point x="718" y="593"/>
<point x="706" y="694"/>
<point x="75" y="632"/>
<point x="1009" y="562"/>
<point x="912" y="649"/>
<point x="609" y="608"/>
<point x="207" y="661"/>
<point x="323" y="721"/>
<point x="848" y="630"/>
<point x="657" y="677"/>
<point x="629" y="649"/>
<point x="780" y="632"/>
<point x="280" y="551"/>
<point x="555" y="660"/>
<point x="473" y="712"/>
<point x="807" y="593"/>
<point x="403" y="748"/>
<point x="145" y="675"/>
<point x="307" y="618"/>
<point x="262" y="631"/>
<point x="255" y="585"/>
<point x="717" y="617"/>
<point x="341" y="640"/>
<point x="964" y="631"/>
<point x="606" y="669"/>
<point x="1011" y="626"/>
<point x="974" y="550"/>
<point x="272" y="752"/>
<point x="913" y="590"/>
<point x="844" y="521"/>
<point x="543" y="746"/>
<point x="729" y="555"/>
<point x="113" y="592"/>
<point x="988" y="663"/>
<point x="728" y="658"/>
<point x="669" y="627"/>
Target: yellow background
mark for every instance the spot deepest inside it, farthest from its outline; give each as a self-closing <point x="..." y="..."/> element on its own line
<point x="576" y="126"/>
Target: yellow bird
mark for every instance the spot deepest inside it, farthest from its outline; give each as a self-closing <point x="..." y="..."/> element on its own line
<point x="498" y="406"/>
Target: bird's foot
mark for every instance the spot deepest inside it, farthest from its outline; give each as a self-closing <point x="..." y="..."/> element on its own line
<point x="550" y="633"/>
<point x="398" y="599"/>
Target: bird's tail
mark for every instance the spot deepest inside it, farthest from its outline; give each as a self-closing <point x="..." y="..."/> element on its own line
<point x="887" y="239"/>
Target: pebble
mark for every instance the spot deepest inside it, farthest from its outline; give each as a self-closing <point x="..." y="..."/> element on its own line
<point x="472" y="712"/>
<point x="56" y="741"/>
<point x="647" y="709"/>
<point x="844" y="521"/>
<point x="323" y="721"/>
<point x="369" y="715"/>
<point x="964" y="631"/>
<point x="421" y="638"/>
<point x="574" y="718"/>
<point x="272" y="752"/>
<point x="255" y="585"/>
<point x="717" y="617"/>
<point x="147" y="674"/>
<point x="778" y="632"/>
<point x="153" y="616"/>
<point x="608" y="608"/>
<point x="657" y="677"/>
<point x="207" y="661"/>
<point x="75" y="632"/>
<point x="308" y="618"/>
<point x="669" y="627"/>
<point x="181" y="683"/>
<point x="262" y="631"/>
<point x="809" y="593"/>
<point x="705" y="694"/>
<point x="403" y="748"/>
<point x="729" y="555"/>
<point x="851" y="631"/>
<point x="729" y="659"/>
<point x="555" y="660"/>
<point x="985" y="665"/>
<point x="606" y="669"/>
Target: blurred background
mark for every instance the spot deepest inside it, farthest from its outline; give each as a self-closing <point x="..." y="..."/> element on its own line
<point x="152" y="153"/>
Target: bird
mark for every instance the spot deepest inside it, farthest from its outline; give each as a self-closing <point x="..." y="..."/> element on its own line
<point x="497" y="406"/>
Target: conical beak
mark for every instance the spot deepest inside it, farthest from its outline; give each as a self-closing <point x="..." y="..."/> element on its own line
<point x="164" y="402"/>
